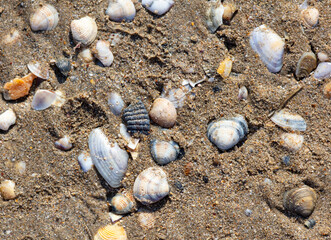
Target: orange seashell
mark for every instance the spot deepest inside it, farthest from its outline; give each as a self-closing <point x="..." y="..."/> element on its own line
<point x="18" y="87"/>
<point x="111" y="232"/>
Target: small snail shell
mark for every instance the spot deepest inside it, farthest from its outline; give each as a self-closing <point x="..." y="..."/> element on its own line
<point x="39" y="69"/>
<point x="163" y="113"/>
<point x="111" y="232"/>
<point x="44" y="18"/>
<point x="301" y="201"/>
<point x="122" y="203"/>
<point x="84" y="30"/>
<point x="103" y="53"/>
<point x="7" y="190"/>
<point x="310" y="16"/>
<point x="119" y="10"/>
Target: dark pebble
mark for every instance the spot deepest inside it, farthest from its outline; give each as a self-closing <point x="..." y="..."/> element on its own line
<point x="179" y="186"/>
<point x="205" y="179"/>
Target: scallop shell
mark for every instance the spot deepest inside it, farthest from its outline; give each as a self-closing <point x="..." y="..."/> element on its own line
<point x="85" y="161"/>
<point x="109" y="159"/>
<point x="310" y="16"/>
<point x="136" y="118"/>
<point x="227" y="132"/>
<point x="84" y="30"/>
<point x="103" y="53"/>
<point x="43" y="99"/>
<point x="214" y="15"/>
<point x="151" y="185"/>
<point x="7" y="119"/>
<point x="301" y="201"/>
<point x="115" y="103"/>
<point x="289" y="120"/>
<point x="164" y="152"/>
<point x="44" y="19"/>
<point x="158" y="7"/>
<point x="306" y="64"/>
<point x="119" y="10"/>
<point x="39" y="69"/>
<point x="122" y="203"/>
<point x="292" y="141"/>
<point x="323" y="71"/>
<point x="111" y="232"/>
<point x="269" y="46"/>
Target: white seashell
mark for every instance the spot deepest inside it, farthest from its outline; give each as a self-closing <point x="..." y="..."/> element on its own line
<point x="243" y="93"/>
<point x="151" y="185"/>
<point x="85" y="161"/>
<point x="146" y="219"/>
<point x="84" y="30"/>
<point x="43" y="99"/>
<point x="20" y="167"/>
<point x="60" y="98"/>
<point x="292" y="141"/>
<point x="64" y="143"/>
<point x="163" y="113"/>
<point x="269" y="46"/>
<point x="164" y="152"/>
<point x="44" y="19"/>
<point x="12" y="37"/>
<point x="7" y="190"/>
<point x="110" y="160"/>
<point x="323" y="71"/>
<point x="115" y="103"/>
<point x="86" y="55"/>
<point x="122" y="203"/>
<point x="39" y="69"/>
<point x="306" y="64"/>
<point x="119" y="10"/>
<point x="289" y="120"/>
<point x="215" y="15"/>
<point x="158" y="7"/>
<point x="131" y="143"/>
<point x="322" y="57"/>
<point x="310" y="16"/>
<point x="103" y="53"/>
<point x="226" y="133"/>
<point x="114" y="217"/>
<point x="7" y="119"/>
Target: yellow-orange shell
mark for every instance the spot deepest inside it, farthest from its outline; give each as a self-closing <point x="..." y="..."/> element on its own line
<point x="18" y="87"/>
<point x="111" y="232"/>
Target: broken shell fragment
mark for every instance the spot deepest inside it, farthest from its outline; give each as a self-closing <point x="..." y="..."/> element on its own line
<point x="44" y="19"/>
<point x="12" y="37"/>
<point x="122" y="203"/>
<point x="7" y="190"/>
<point x="86" y="55"/>
<point x="111" y="232"/>
<point x="84" y="30"/>
<point x="85" y="161"/>
<point x="327" y="90"/>
<point x="103" y="54"/>
<point x="229" y="10"/>
<point x="39" y="69"/>
<point x="214" y="15"/>
<point x="18" y="87"/>
<point x="164" y="152"/>
<point x="115" y="103"/>
<point x="163" y="113"/>
<point x="146" y="219"/>
<point x="64" y="66"/>
<point x="176" y="96"/>
<point x="292" y="141"/>
<point x="269" y="46"/>
<point x="323" y="71"/>
<point x="306" y="64"/>
<point x="109" y="159"/>
<point x="225" y="68"/>
<point x="243" y="93"/>
<point x="64" y="143"/>
<point x="158" y="7"/>
<point x="136" y="118"/>
<point x="131" y="143"/>
<point x="310" y="16"/>
<point x="119" y="10"/>
<point x="7" y="119"/>
<point x="43" y="99"/>
<point x="151" y="185"/>
<point x="289" y="120"/>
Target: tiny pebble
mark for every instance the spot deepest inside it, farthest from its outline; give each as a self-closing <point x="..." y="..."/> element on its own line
<point x="179" y="186"/>
<point x="286" y="160"/>
<point x="205" y="179"/>
<point x="248" y="212"/>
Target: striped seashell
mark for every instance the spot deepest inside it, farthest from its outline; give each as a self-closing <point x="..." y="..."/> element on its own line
<point x="84" y="30"/>
<point x="39" y="69"/>
<point x="122" y="203"/>
<point x="214" y="15"/>
<point x="158" y="7"/>
<point x="111" y="232"/>
<point x="323" y="71"/>
<point x="103" y="54"/>
<point x="306" y="64"/>
<point x="109" y="159"/>
<point x="146" y="219"/>
<point x="164" y="152"/>
<point x="289" y="120"/>
<point x="119" y="10"/>
<point x="44" y="19"/>
<point x="136" y="118"/>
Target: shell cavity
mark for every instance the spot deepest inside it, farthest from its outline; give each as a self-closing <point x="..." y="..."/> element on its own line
<point x="136" y="118"/>
<point x="164" y="152"/>
<point x="84" y="30"/>
<point x="119" y="10"/>
<point x="289" y="120"/>
<point x="44" y="19"/>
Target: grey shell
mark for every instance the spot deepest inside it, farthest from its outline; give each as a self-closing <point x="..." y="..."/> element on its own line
<point x="289" y="120"/>
<point x="136" y="118"/>
<point x="164" y="152"/>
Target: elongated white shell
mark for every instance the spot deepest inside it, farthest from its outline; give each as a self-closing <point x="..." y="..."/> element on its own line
<point x="7" y="119"/>
<point x="269" y="46"/>
<point x="226" y="133"/>
<point x="164" y="152"/>
<point x="289" y="120"/>
<point x="323" y="71"/>
<point x="119" y="10"/>
<point x="103" y="53"/>
<point x="158" y="7"/>
<point x="292" y="141"/>
<point x="44" y="18"/>
<point x="110" y="160"/>
<point x="151" y="185"/>
<point x="84" y="30"/>
<point x="215" y="15"/>
<point x="43" y="99"/>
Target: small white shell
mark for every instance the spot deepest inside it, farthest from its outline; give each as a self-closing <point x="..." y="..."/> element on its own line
<point x="289" y="120"/>
<point x="44" y="18"/>
<point x="85" y="161"/>
<point x="322" y="57"/>
<point x="103" y="53"/>
<point x="7" y="190"/>
<point x="43" y="99"/>
<point x="158" y="7"/>
<point x="292" y="141"/>
<point x="269" y="46"/>
<point x="119" y="10"/>
<point x="122" y="203"/>
<point x="215" y="15"/>
<point x="110" y="160"/>
<point x="151" y="185"/>
<point x="146" y="219"/>
<point x="63" y="143"/>
<point x="86" y="55"/>
<point x="39" y="69"/>
<point x="164" y="152"/>
<point x="7" y="119"/>
<point x="84" y="30"/>
<point x="323" y="71"/>
<point x="310" y="16"/>
<point x="243" y="93"/>
<point x="226" y="133"/>
<point x="115" y="103"/>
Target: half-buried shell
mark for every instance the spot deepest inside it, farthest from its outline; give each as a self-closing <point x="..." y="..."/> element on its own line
<point x="111" y="232"/>
<point x="289" y="120"/>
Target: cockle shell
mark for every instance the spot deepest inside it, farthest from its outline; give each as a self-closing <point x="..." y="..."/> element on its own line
<point x="301" y="201"/>
<point x="111" y="232"/>
<point x="151" y="185"/>
<point x="7" y="189"/>
<point x="43" y="99"/>
<point x="39" y="69"/>
<point x="292" y="141"/>
<point x="109" y="159"/>
<point x="119" y="10"/>
<point x="306" y="64"/>
<point x="214" y="15"/>
<point x="85" y="161"/>
<point x="103" y="53"/>
<point x="44" y="19"/>
<point x="289" y="120"/>
<point x="323" y="71"/>
<point x="122" y="203"/>
<point x="146" y="219"/>
<point x="269" y="46"/>
<point x="310" y="16"/>
<point x="164" y="152"/>
<point x="115" y="103"/>
<point x="18" y="87"/>
<point x="136" y="118"/>
<point x="84" y="30"/>
<point x="64" y="143"/>
<point x="227" y="132"/>
<point x="158" y="7"/>
<point x="7" y="119"/>
<point x="163" y="113"/>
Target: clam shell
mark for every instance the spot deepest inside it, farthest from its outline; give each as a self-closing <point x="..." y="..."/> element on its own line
<point x="43" y="99"/>
<point x="306" y="64"/>
<point x="122" y="203"/>
<point x="146" y="219"/>
<point x="7" y="190"/>
<point x="292" y="141"/>
<point x="39" y="69"/>
<point x="227" y="132"/>
<point x="158" y="7"/>
<point x="85" y="161"/>
<point x="7" y="119"/>
<point x="44" y="19"/>
<point x="323" y="71"/>
<point x="119" y="10"/>
<point x="301" y="201"/>
<point x="310" y="16"/>
<point x="214" y="15"/>
<point x="111" y="232"/>
<point x="163" y="113"/>
<point x="109" y="159"/>
<point x="289" y="120"/>
<point x="269" y="46"/>
<point x="84" y="30"/>
<point x="164" y="152"/>
<point x="136" y="118"/>
<point x="115" y="103"/>
<point x="103" y="53"/>
<point x="151" y="185"/>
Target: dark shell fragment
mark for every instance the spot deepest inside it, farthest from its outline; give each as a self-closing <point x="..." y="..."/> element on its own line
<point x="136" y="118"/>
<point x="64" y="66"/>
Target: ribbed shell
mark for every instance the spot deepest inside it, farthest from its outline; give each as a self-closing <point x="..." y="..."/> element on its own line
<point x="109" y="159"/>
<point x="44" y="18"/>
<point x="146" y="219"/>
<point x="136" y="118"/>
<point x="164" y="152"/>
<point x="158" y="7"/>
<point x="103" y="53"/>
<point x="39" y="69"/>
<point x="289" y="120"/>
<point x="122" y="203"/>
<point x="306" y="64"/>
<point x="151" y="185"/>
<point x="84" y="30"/>
<point x="119" y="10"/>
<point x="111" y="232"/>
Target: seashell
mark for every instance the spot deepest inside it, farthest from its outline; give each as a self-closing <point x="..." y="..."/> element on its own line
<point x="122" y="203"/>
<point x="86" y="55"/>
<point x="214" y="15"/>
<point x="18" y="87"/>
<point x="12" y="37"/>
<point x="146" y="220"/>
<point x="131" y="143"/>
<point x="163" y="113"/>
<point x="310" y="16"/>
<point x="111" y="232"/>
<point x="44" y="18"/>
<point x="323" y="71"/>
<point x="119" y="10"/>
<point x="164" y="152"/>
<point x="7" y="190"/>
<point x="103" y="53"/>
<point x="225" y="68"/>
<point x="306" y="64"/>
<point x="7" y="119"/>
<point x="84" y="30"/>
<point x="109" y="159"/>
<point x="301" y="201"/>
<point x="39" y="69"/>
<point x="269" y="46"/>
<point x="310" y="223"/>
<point x="158" y="7"/>
<point x="292" y="141"/>
<point x="322" y="57"/>
<point x="151" y="185"/>
<point x="136" y="118"/>
<point x="20" y="167"/>
<point x="114" y="217"/>
<point x="64" y="66"/>
<point x="64" y="143"/>
<point x="327" y="90"/>
<point x="43" y="99"/>
<point x="289" y="120"/>
<point x="85" y="161"/>
<point x="115" y="103"/>
<point x="243" y="93"/>
<point x="229" y="10"/>
<point x="226" y="133"/>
